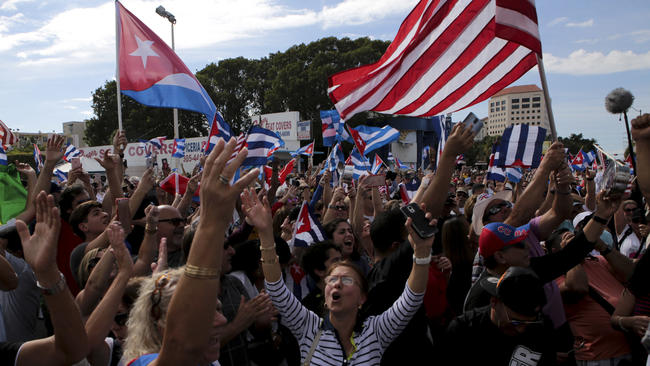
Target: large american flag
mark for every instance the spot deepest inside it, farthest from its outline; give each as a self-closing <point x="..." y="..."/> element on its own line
<point x="446" y="56"/>
<point x="7" y="138"/>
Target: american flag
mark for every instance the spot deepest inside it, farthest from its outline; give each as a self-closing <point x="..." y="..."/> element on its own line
<point x="446" y="56"/>
<point x="6" y="136"/>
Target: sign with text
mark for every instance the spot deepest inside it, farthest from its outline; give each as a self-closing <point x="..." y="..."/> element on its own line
<point x="304" y="130"/>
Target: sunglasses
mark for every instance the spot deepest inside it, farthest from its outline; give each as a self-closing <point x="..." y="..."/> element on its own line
<point x="345" y="280"/>
<point x="120" y="319"/>
<point x="497" y="208"/>
<point x="174" y="221"/>
<point x="517" y="323"/>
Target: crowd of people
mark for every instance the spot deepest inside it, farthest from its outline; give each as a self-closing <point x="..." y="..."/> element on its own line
<point x="544" y="271"/>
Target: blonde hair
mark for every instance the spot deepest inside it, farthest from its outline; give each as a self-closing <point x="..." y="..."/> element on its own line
<point x="83" y="272"/>
<point x="147" y="317"/>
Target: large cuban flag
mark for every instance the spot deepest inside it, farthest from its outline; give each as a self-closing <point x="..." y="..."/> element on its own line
<point x="152" y="73"/>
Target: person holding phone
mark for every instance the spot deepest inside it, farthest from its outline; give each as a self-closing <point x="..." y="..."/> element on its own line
<point x="340" y="336"/>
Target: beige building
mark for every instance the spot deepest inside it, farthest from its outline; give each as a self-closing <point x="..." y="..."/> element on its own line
<point x="29" y="138"/>
<point x="522" y="104"/>
<point x="75" y="133"/>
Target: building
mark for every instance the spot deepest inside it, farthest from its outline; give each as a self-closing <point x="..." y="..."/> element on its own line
<point x="75" y="132"/>
<point x="522" y="104"/>
<point x="483" y="132"/>
<point x="29" y="138"/>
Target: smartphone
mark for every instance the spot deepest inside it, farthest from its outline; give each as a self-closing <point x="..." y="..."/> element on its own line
<point x="473" y="121"/>
<point x="420" y="223"/>
<point x="123" y="213"/>
<point x="76" y="163"/>
<point x="375" y="180"/>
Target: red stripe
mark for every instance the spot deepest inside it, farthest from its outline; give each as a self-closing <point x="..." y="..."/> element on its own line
<point x="520" y="6"/>
<point x="404" y="29"/>
<point x="437" y="19"/>
<point x="432" y="55"/>
<point x="360" y="79"/>
<point x="516" y="35"/>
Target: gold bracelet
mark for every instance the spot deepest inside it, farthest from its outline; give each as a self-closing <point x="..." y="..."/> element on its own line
<point x="268" y="248"/>
<point x="202" y="273"/>
<point x="274" y="260"/>
<point x="149" y="230"/>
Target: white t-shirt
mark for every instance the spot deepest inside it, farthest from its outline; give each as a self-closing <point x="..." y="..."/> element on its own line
<point x="630" y="245"/>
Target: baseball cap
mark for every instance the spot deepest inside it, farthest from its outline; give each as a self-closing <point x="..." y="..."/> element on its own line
<point x="581" y="216"/>
<point x="482" y="203"/>
<point x="519" y="288"/>
<point x="498" y="235"/>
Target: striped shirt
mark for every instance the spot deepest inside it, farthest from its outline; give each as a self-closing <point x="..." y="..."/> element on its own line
<point x="376" y="334"/>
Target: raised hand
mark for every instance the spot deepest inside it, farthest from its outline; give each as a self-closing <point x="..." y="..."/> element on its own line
<point x="25" y="170"/>
<point x="115" y="234"/>
<point x="218" y="197"/>
<point x="193" y="183"/>
<point x="554" y="157"/>
<point x="109" y="161"/>
<point x="54" y="150"/>
<point x="119" y="142"/>
<point x="460" y="139"/>
<point x="147" y="179"/>
<point x="161" y="264"/>
<point x="641" y="127"/>
<point x="606" y="205"/>
<point x="40" y="248"/>
<point x="258" y="213"/>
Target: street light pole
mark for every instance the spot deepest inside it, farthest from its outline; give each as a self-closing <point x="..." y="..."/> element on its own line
<point x="172" y="19"/>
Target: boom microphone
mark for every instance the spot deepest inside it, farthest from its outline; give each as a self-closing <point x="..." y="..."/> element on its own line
<point x="618" y="101"/>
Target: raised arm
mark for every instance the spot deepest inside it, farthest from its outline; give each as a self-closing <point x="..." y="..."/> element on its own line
<point x="459" y="141"/>
<point x="641" y="135"/>
<point x="111" y="163"/>
<point x="28" y="172"/>
<point x="146" y="184"/>
<point x="186" y="201"/>
<point x="69" y="343"/>
<point x="532" y="198"/>
<point x="53" y="153"/>
<point x="142" y="266"/>
<point x="562" y="203"/>
<point x="192" y="308"/>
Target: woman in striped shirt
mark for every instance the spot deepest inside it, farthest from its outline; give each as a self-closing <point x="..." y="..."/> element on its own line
<point x="339" y="338"/>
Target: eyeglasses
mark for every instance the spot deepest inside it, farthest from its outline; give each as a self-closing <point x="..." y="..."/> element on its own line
<point x="345" y="280"/>
<point x="120" y="319"/>
<point x="497" y="208"/>
<point x="340" y="208"/>
<point x="519" y="323"/>
<point x="174" y="221"/>
<point x="156" y="295"/>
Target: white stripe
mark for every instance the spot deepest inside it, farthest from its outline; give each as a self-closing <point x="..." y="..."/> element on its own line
<point x="408" y="61"/>
<point x="512" y="145"/>
<point x="530" y="145"/>
<point x="517" y="20"/>
<point x="447" y="59"/>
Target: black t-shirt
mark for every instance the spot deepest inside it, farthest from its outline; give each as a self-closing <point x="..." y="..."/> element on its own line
<point x="472" y="339"/>
<point x="8" y="353"/>
<point x="386" y="281"/>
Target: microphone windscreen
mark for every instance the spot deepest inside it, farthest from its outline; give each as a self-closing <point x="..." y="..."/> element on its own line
<point x="618" y="101"/>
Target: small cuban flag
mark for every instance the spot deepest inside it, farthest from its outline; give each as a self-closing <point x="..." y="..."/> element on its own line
<point x="178" y="151"/>
<point x="3" y="157"/>
<point x="71" y="152"/>
<point x="37" y="159"/>
<point x="307" y="229"/>
<point x="60" y="175"/>
<point x="157" y="142"/>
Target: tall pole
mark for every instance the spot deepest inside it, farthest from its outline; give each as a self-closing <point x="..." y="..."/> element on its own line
<point x="547" y="97"/>
<point x="176" y="135"/>
<point x="117" y="65"/>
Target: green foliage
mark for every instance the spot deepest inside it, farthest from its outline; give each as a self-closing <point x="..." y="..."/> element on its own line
<point x="575" y="142"/>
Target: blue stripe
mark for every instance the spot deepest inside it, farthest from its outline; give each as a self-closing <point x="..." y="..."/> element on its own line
<point x="172" y="96"/>
<point x="521" y="144"/>
<point x="539" y="145"/>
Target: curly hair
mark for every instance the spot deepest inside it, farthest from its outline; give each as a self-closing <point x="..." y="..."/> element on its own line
<point x="147" y="318"/>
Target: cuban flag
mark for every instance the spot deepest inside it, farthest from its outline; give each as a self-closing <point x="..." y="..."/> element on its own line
<point x="400" y="165"/>
<point x="391" y="159"/>
<point x="330" y="121"/>
<point x="3" y="157"/>
<point x="261" y="145"/>
<point x="521" y="145"/>
<point x="151" y="73"/>
<point x="589" y="158"/>
<point x="37" y="159"/>
<point x="307" y="229"/>
<point x="514" y="174"/>
<point x="494" y="172"/>
<point x="361" y="164"/>
<point x="578" y="162"/>
<point x="60" y="175"/>
<point x="374" y="137"/>
<point x="358" y="141"/>
<point x="156" y="142"/>
<point x="376" y="165"/>
<point x="305" y="150"/>
<point x="178" y="150"/>
<point x="71" y="152"/>
<point x="336" y="156"/>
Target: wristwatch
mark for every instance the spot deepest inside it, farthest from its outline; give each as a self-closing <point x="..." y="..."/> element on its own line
<point x="422" y="261"/>
<point x="58" y="287"/>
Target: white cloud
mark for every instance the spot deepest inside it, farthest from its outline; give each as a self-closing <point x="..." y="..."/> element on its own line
<point x="641" y="36"/>
<point x="557" y="21"/>
<point x="69" y="107"/>
<point x="77" y="100"/>
<point x="87" y="113"/>
<point x="581" y="62"/>
<point x="588" y="41"/>
<point x="586" y="23"/>
<point x="11" y="4"/>
<point x="83" y="35"/>
<point x="7" y="22"/>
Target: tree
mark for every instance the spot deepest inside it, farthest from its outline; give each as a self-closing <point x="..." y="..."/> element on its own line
<point x="575" y="142"/>
<point x="138" y="120"/>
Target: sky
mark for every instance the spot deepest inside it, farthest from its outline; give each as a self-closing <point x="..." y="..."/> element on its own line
<point x="55" y="53"/>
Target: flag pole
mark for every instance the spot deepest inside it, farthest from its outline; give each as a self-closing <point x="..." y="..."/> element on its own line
<point x="547" y="97"/>
<point x="117" y="65"/>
